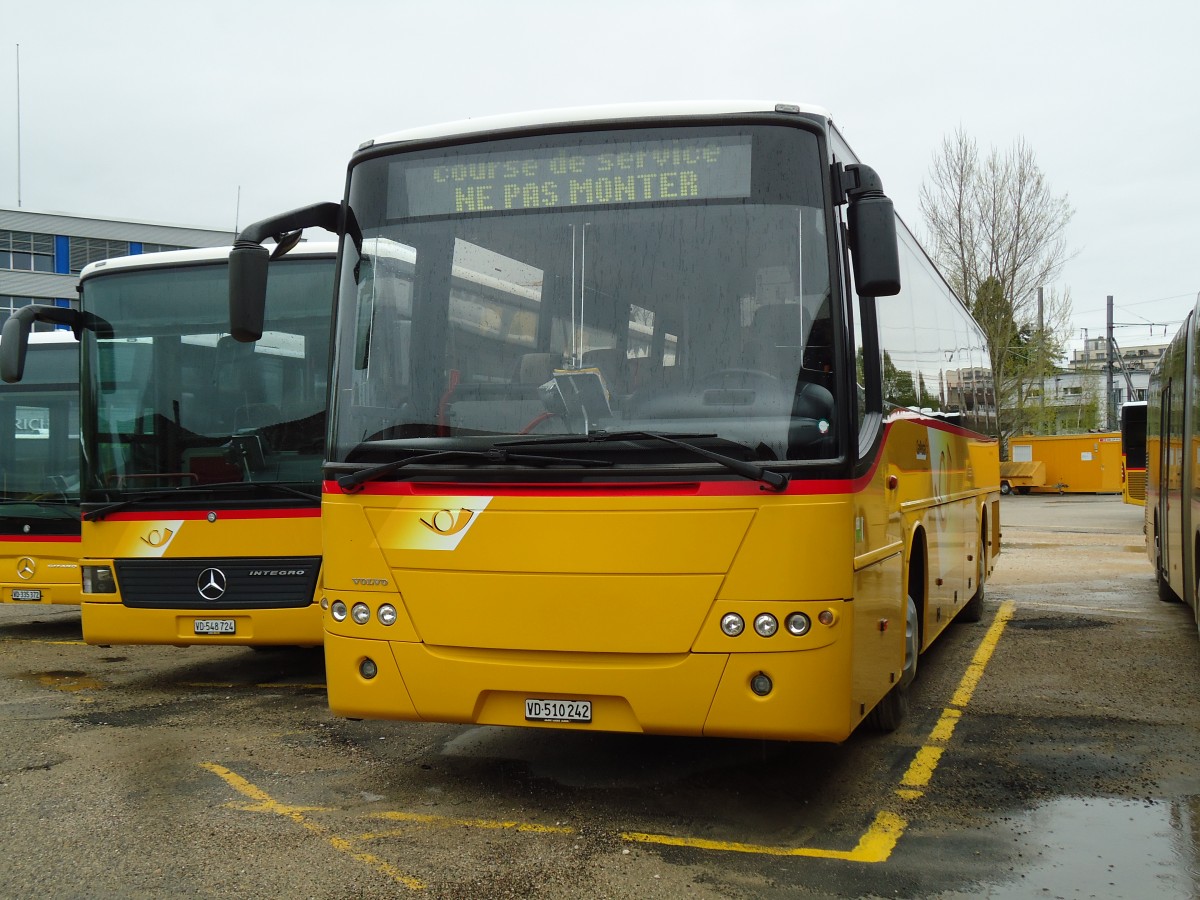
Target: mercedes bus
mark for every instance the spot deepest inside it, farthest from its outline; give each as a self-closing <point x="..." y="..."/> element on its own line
<point x="201" y="468"/>
<point x="649" y="419"/>
<point x="39" y="475"/>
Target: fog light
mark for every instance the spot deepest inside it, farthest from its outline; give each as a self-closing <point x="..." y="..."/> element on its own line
<point x="797" y="624"/>
<point x="761" y="684"/>
<point x="387" y="614"/>
<point x="98" y="580"/>
<point x="338" y="611"/>
<point x="367" y="668"/>
<point x="732" y="624"/>
<point x="360" y="613"/>
<point x="765" y="624"/>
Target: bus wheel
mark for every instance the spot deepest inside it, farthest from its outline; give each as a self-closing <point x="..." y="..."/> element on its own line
<point x="972" y="611"/>
<point x="1165" y="592"/>
<point x="1005" y="488"/>
<point x="891" y="710"/>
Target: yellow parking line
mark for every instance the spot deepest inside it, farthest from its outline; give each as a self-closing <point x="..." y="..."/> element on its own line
<point x="920" y="770"/>
<point x="875" y="845"/>
<point x="966" y="687"/>
<point x="265" y="803"/>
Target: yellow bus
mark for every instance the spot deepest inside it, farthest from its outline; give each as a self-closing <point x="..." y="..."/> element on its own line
<point x="201" y="466"/>
<point x="1133" y="452"/>
<point x="621" y="438"/>
<point x="1172" y="515"/>
<point x="39" y="475"/>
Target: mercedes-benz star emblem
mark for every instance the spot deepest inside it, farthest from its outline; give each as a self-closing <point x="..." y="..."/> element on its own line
<point x="26" y="567"/>
<point x="211" y="584"/>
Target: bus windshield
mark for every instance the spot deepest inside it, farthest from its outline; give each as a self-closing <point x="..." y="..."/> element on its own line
<point x="39" y="443"/>
<point x="174" y="402"/>
<point x="667" y="280"/>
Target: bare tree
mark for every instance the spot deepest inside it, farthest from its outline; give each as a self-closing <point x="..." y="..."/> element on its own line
<point x="998" y="234"/>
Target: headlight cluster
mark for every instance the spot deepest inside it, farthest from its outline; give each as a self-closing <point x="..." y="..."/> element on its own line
<point x="766" y="625"/>
<point x="360" y="613"/>
<point x="98" y="580"/>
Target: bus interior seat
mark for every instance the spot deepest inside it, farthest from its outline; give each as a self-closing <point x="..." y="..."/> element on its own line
<point x="776" y="338"/>
<point x="537" y="368"/>
<point x="611" y="363"/>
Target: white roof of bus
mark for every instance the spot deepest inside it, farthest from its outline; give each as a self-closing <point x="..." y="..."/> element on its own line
<point x="57" y="336"/>
<point x="582" y="114"/>
<point x="203" y="254"/>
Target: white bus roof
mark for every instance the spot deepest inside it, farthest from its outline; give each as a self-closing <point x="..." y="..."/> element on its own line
<point x="202" y="255"/>
<point x="57" y="336"/>
<point x="587" y="114"/>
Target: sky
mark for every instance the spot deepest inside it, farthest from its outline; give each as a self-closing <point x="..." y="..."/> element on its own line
<point x="219" y="113"/>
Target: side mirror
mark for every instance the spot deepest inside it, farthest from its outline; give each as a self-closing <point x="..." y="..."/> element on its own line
<point x="247" y="291"/>
<point x="248" y="262"/>
<point x="14" y="340"/>
<point x="871" y="221"/>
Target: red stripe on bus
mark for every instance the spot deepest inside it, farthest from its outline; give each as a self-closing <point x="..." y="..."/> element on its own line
<point x="191" y="515"/>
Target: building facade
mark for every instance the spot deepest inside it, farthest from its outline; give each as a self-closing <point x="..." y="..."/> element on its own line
<point x="42" y="254"/>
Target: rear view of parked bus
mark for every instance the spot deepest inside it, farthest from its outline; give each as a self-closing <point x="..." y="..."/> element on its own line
<point x="615" y="444"/>
<point x="1133" y="452"/>
<point x="1172" y="522"/>
<point x="201" y="454"/>
<point x="39" y="475"/>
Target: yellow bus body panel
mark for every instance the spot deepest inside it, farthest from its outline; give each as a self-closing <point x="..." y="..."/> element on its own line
<point x="49" y="567"/>
<point x="616" y="594"/>
<point x="106" y="620"/>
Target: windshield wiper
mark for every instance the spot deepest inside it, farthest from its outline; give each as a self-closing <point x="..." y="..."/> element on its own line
<point x="352" y="482"/>
<point x="776" y="481"/>
<point x="95" y="515"/>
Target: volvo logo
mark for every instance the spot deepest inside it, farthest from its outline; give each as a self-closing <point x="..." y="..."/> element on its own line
<point x="211" y="584"/>
<point x="26" y="567"/>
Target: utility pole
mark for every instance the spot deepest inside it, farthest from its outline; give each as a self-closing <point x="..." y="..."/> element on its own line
<point x="1112" y="399"/>
<point x="18" y="126"/>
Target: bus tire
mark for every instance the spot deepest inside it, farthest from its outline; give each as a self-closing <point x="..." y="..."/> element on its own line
<point x="972" y="611"/>
<point x="1165" y="593"/>
<point x="890" y="712"/>
<point x="1005" y="488"/>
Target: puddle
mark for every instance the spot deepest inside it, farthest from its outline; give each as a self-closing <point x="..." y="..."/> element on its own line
<point x="1111" y="849"/>
<point x="66" y="681"/>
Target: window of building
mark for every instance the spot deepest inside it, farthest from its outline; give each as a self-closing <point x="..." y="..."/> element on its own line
<point x="89" y="250"/>
<point x="162" y="248"/>
<point x="9" y="305"/>
<point x="26" y="251"/>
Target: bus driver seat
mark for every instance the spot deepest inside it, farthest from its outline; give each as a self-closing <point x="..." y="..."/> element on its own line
<point x="778" y="348"/>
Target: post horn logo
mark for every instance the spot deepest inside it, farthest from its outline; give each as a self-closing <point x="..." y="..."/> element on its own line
<point x="26" y="567"/>
<point x="448" y="522"/>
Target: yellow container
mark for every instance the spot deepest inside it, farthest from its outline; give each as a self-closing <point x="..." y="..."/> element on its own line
<point x="1074" y="463"/>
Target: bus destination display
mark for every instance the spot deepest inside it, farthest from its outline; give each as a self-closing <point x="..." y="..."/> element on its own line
<point x="702" y="168"/>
